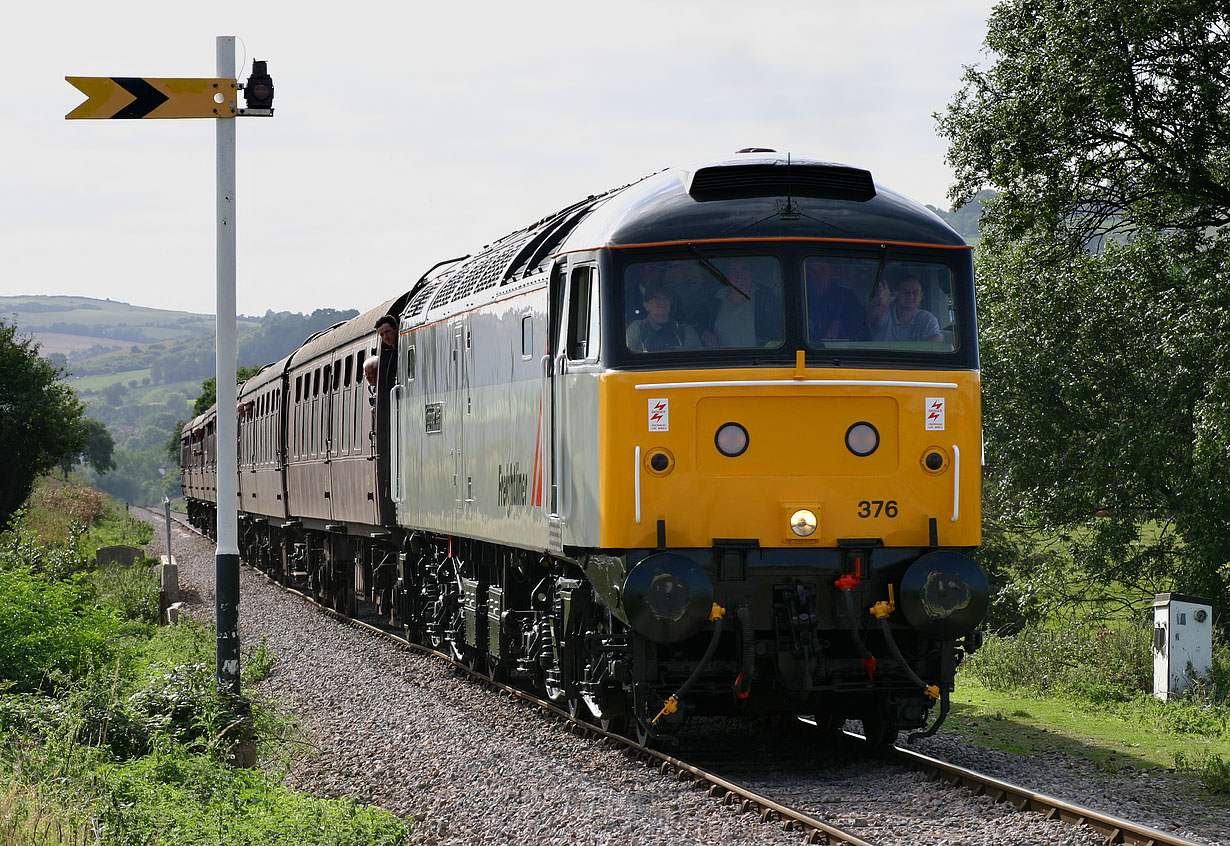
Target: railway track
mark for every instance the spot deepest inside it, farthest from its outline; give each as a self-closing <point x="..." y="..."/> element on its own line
<point x="726" y="787"/>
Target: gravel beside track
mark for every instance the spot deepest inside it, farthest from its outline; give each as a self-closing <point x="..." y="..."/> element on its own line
<point x="403" y="731"/>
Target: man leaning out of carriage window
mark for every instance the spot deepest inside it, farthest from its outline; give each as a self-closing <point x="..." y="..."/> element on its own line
<point x="656" y="331"/>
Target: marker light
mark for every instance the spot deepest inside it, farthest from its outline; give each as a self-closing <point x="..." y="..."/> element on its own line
<point x="862" y="439"/>
<point x="731" y="439"/>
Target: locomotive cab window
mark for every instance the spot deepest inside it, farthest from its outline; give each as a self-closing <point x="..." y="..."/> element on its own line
<point x="704" y="303"/>
<point x="853" y="303"/>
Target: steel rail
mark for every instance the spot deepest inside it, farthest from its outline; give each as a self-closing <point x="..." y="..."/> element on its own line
<point x="1113" y="829"/>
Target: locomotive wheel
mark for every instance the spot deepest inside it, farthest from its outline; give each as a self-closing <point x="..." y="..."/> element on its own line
<point x="614" y="725"/>
<point x="643" y="735"/>
<point x="879" y="728"/>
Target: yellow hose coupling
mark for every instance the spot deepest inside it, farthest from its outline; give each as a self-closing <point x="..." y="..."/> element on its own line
<point x="672" y="705"/>
<point x="716" y="612"/>
<point x="933" y="691"/>
<point x="882" y="609"/>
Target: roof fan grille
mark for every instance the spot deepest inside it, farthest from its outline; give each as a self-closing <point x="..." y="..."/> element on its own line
<point x="773" y="180"/>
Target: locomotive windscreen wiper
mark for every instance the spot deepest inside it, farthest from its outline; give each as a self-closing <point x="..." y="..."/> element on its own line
<point x="717" y="274"/>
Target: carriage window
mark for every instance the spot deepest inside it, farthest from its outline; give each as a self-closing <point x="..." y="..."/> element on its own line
<point x="409" y="363"/>
<point x="527" y="337"/>
<point x="911" y="307"/>
<point x="695" y="304"/>
<point x="349" y="366"/>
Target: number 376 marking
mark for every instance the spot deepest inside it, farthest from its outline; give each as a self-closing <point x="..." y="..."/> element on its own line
<point x="876" y="507"/>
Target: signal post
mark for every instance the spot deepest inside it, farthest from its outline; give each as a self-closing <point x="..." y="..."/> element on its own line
<point x="128" y="98"/>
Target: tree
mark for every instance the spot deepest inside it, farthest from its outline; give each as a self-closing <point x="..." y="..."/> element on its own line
<point x="1105" y="125"/>
<point x="1097" y="115"/>
<point x="209" y="389"/>
<point x="97" y="449"/>
<point x="39" y="418"/>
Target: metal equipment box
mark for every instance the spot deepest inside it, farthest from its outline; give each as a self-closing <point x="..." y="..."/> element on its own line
<point x="1182" y="642"/>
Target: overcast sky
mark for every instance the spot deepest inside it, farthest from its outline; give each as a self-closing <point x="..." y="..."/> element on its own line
<point x="410" y="133"/>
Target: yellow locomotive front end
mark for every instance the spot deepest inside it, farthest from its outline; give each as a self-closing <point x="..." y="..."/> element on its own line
<point x="791" y="457"/>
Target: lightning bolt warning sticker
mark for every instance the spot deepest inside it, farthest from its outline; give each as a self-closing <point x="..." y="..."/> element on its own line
<point x="935" y="414"/>
<point x="659" y="415"/>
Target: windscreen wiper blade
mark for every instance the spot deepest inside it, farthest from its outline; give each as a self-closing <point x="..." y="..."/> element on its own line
<point x="717" y="274"/>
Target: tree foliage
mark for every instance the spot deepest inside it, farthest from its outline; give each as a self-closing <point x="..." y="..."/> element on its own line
<point x="1097" y="115"/>
<point x="1105" y="125"/>
<point x="209" y="391"/>
<point x="40" y="419"/>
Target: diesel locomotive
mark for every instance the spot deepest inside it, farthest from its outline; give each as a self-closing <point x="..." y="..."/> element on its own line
<point x="707" y="444"/>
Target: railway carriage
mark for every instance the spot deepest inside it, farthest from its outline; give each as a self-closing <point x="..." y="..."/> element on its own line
<point x="760" y="504"/>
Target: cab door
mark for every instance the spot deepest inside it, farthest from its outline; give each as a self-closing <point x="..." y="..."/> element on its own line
<point x="572" y="351"/>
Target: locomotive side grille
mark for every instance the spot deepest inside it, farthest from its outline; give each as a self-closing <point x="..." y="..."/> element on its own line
<point x="832" y="182"/>
<point x="478" y="274"/>
<point x="423" y="296"/>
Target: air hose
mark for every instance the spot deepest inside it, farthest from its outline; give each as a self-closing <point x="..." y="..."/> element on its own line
<point x="880" y="611"/>
<point x="869" y="660"/>
<point x="747" y="669"/>
<point x="932" y="691"/>
<point x="672" y="704"/>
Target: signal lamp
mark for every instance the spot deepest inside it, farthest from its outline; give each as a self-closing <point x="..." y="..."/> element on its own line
<point x="258" y="88"/>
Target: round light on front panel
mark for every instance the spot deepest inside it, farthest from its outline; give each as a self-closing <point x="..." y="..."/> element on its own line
<point x="803" y="522"/>
<point x="862" y="439"/>
<point x="731" y="439"/>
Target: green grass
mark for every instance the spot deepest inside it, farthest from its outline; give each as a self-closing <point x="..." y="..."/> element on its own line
<point x="1028" y="724"/>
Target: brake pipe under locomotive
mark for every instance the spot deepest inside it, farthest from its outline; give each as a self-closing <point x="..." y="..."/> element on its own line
<point x="763" y="504"/>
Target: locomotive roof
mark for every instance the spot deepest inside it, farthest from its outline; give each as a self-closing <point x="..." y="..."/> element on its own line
<point x="759" y="195"/>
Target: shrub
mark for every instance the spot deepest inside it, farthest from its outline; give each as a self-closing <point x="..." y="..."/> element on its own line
<point x="1212" y="770"/>
<point x="133" y="591"/>
<point x="22" y="547"/>
<point x="51" y="631"/>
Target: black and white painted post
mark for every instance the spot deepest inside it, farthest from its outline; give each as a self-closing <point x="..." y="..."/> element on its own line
<point x="226" y="565"/>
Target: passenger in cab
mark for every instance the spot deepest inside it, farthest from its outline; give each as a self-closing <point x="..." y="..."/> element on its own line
<point x="833" y="310"/>
<point x="657" y="331"/>
<point x="691" y="289"/>
<point x="895" y="314"/>
<point x="749" y="311"/>
<point x="640" y="277"/>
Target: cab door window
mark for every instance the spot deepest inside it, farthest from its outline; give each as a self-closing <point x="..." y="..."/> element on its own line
<point x="583" y="314"/>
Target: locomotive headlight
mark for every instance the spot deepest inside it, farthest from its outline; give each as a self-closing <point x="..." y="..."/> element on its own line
<point x="803" y="522"/>
<point x="731" y="439"/>
<point x="862" y="439"/>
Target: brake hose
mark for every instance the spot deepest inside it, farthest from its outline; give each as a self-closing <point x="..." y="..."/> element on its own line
<point x="672" y="704"/>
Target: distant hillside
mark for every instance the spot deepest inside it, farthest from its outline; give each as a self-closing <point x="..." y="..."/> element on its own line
<point x="965" y="219"/>
<point x="139" y="370"/>
<point x="76" y="325"/>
